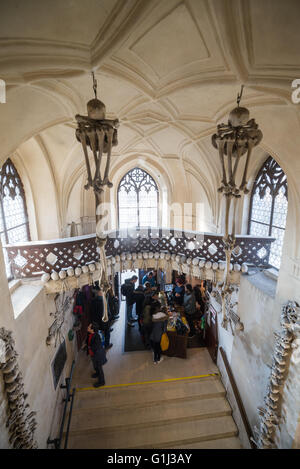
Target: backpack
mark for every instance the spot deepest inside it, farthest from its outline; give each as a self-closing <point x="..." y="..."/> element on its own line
<point x="124" y="289"/>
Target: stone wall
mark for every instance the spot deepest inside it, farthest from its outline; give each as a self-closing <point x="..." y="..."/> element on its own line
<point x="250" y="355"/>
<point x="30" y="330"/>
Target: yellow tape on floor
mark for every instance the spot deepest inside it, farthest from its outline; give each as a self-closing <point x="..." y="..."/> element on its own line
<point x="147" y="382"/>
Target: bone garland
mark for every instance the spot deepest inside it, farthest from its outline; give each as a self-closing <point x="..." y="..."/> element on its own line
<point x="21" y="422"/>
<point x="270" y="414"/>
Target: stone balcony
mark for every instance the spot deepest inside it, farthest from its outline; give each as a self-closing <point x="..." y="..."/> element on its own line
<point x="33" y="259"/>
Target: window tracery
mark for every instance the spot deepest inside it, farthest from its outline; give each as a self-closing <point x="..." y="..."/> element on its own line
<point x="14" y="225"/>
<point x="268" y="207"/>
<point x="137" y="200"/>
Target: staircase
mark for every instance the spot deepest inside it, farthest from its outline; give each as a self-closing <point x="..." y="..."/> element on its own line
<point x="191" y="413"/>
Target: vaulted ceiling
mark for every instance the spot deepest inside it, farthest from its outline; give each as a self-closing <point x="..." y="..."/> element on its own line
<point x="169" y="70"/>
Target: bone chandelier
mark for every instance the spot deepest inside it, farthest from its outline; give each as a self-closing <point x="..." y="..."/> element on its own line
<point x="98" y="134"/>
<point x="234" y="140"/>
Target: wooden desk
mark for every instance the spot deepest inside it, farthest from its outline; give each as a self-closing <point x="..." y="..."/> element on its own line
<point x="177" y="342"/>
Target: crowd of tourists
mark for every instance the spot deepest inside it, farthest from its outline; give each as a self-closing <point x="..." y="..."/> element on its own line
<point x="151" y="314"/>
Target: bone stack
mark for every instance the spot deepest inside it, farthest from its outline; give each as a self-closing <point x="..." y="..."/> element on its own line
<point x="270" y="413"/>
<point x="21" y="421"/>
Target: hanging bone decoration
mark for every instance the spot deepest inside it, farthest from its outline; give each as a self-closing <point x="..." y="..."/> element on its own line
<point x="234" y="141"/>
<point x="21" y="421"/>
<point x="98" y="134"/>
<point x="232" y="317"/>
<point x="270" y="414"/>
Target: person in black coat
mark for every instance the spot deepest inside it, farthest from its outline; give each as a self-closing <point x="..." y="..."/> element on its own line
<point x="97" y="314"/>
<point x="128" y="290"/>
<point x="97" y="353"/>
<point x="113" y="304"/>
<point x="139" y="302"/>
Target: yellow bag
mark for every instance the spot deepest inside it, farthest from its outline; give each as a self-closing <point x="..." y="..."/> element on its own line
<point x="164" y="343"/>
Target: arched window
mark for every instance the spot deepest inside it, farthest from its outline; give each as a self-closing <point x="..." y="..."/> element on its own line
<point x="137" y="200"/>
<point x="268" y="208"/>
<point x="14" y="226"/>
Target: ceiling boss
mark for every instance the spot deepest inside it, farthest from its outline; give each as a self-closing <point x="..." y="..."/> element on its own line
<point x="235" y="142"/>
<point x="99" y="135"/>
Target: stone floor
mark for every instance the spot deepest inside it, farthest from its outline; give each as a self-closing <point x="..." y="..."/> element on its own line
<point x="131" y="367"/>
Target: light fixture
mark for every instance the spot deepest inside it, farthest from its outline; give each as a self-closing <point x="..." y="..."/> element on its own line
<point x="234" y="142"/>
<point x="99" y="135"/>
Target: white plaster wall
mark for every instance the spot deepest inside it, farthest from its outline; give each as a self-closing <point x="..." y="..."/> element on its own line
<point x="31" y="330"/>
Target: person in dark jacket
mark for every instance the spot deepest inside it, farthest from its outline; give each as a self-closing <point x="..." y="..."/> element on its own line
<point x="159" y="326"/>
<point x="113" y="304"/>
<point x="130" y="298"/>
<point x="139" y="302"/>
<point x="178" y="292"/>
<point x="97" y="354"/>
<point x="97" y="314"/>
<point x="199" y="299"/>
<point x="151" y="306"/>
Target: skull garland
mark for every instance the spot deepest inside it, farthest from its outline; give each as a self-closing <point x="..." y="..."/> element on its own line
<point x="270" y="414"/>
<point x="21" y="422"/>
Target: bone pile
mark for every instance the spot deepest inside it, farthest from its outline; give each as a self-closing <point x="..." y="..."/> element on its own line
<point x="21" y="421"/>
<point x="270" y="414"/>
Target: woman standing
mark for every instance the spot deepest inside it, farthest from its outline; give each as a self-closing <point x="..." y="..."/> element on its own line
<point x="159" y="326"/>
<point x="97" y="353"/>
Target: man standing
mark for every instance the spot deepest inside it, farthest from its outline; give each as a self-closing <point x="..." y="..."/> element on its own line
<point x="127" y="289"/>
<point x="97" y="353"/>
<point x="149" y="277"/>
<point x="97" y="314"/>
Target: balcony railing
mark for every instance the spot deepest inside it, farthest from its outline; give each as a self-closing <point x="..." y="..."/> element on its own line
<point x="35" y="258"/>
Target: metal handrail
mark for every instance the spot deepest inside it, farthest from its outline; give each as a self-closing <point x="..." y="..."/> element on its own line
<point x="69" y="397"/>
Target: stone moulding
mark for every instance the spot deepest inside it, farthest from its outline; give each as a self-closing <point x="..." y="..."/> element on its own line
<point x="21" y="421"/>
<point x="270" y="414"/>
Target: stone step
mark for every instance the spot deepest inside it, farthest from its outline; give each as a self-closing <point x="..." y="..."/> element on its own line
<point x="158" y="436"/>
<point x="118" y="417"/>
<point x="149" y="394"/>
<point x="220" y="443"/>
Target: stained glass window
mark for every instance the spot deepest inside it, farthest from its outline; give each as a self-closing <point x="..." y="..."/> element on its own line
<point x="14" y="226"/>
<point x="268" y="209"/>
<point x="137" y="200"/>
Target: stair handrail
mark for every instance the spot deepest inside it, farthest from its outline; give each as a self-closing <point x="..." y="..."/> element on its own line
<point x="238" y="398"/>
<point x="68" y="398"/>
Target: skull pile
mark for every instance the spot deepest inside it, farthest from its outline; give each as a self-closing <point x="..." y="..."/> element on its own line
<point x="21" y="421"/>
